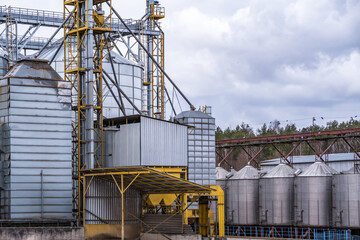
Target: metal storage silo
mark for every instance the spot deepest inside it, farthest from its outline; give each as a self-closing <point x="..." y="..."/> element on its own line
<point x="201" y="146"/>
<point x="313" y="196"/>
<point x="346" y="199"/>
<point x="277" y="196"/>
<point x="221" y="178"/>
<point x="3" y="65"/>
<point x="36" y="143"/>
<point x="128" y="74"/>
<point x="242" y="202"/>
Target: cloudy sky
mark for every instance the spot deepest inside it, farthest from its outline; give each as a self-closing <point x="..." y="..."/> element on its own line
<point x="254" y="61"/>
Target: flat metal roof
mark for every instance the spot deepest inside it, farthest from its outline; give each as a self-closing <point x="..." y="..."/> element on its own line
<point x="147" y="180"/>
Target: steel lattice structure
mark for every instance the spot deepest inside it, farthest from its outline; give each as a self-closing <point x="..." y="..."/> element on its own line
<point x="86" y="43"/>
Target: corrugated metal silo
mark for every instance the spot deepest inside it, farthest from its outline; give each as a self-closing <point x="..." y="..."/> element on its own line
<point x="346" y="199"/>
<point x="3" y="66"/>
<point x="277" y="196"/>
<point x="129" y="76"/>
<point x="36" y="143"/>
<point x="221" y="177"/>
<point x="201" y="146"/>
<point x="242" y="202"/>
<point x="313" y="196"/>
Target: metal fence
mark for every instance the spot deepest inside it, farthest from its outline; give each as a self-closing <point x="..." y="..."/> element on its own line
<point x="288" y="232"/>
<point x="285" y="232"/>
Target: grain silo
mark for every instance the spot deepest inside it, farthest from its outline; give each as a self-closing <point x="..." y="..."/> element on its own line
<point x="36" y="143"/>
<point x="277" y="196"/>
<point x="201" y="146"/>
<point x="313" y="196"/>
<point x="346" y="199"/>
<point x="242" y="198"/>
<point x="128" y="76"/>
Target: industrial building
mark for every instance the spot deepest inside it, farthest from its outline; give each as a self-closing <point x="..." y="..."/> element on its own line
<point x="92" y="139"/>
<point x="90" y="136"/>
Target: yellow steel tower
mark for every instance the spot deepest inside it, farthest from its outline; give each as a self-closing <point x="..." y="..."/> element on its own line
<point x="86" y="44"/>
<point x="158" y="78"/>
<point x="153" y="76"/>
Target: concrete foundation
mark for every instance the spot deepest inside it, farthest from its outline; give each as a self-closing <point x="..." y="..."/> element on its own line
<point x="41" y="233"/>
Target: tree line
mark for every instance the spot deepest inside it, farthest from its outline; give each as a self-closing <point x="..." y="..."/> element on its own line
<point x="239" y="157"/>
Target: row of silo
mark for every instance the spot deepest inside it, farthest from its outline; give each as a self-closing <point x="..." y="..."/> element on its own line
<point x="317" y="197"/>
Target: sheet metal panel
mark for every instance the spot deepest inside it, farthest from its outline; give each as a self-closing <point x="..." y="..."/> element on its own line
<point x="128" y="75"/>
<point x="148" y="143"/>
<point x="104" y="202"/>
<point x="346" y="200"/>
<point x="276" y="205"/>
<point x="201" y="146"/>
<point x="313" y="201"/>
<point x="37" y="141"/>
<point x="242" y="202"/>
<point x="163" y="143"/>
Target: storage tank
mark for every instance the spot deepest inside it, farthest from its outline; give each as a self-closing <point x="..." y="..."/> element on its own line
<point x="242" y="202"/>
<point x="346" y="199"/>
<point x="36" y="143"/>
<point x="277" y="196"/>
<point x="3" y="65"/>
<point x="313" y="196"/>
<point x="129" y="76"/>
<point x="201" y="146"/>
<point x="221" y="178"/>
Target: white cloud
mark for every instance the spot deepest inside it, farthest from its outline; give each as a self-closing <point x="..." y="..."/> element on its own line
<point x="268" y="59"/>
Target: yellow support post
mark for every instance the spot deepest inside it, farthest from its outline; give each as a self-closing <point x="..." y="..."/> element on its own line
<point x="221" y="209"/>
<point x="203" y="216"/>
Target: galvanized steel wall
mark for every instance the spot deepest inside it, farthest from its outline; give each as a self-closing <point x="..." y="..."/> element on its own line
<point x="201" y="146"/>
<point x="36" y="143"/>
<point x="346" y="200"/>
<point x="103" y="204"/>
<point x="313" y="201"/>
<point x="148" y="143"/>
<point x="163" y="143"/>
<point x="128" y="74"/>
<point x="242" y="202"/>
<point x="276" y="201"/>
<point x="3" y="66"/>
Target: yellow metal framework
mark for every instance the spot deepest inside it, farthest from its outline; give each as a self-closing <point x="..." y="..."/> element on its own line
<point x="158" y="52"/>
<point x="158" y="78"/>
<point x="76" y="31"/>
<point x="143" y="179"/>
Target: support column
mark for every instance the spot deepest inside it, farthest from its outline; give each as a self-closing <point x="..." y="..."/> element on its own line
<point x="203" y="216"/>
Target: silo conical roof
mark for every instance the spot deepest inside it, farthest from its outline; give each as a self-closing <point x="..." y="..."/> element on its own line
<point x="318" y="169"/>
<point x="247" y="172"/>
<point x="281" y="170"/>
<point x="221" y="173"/>
<point x="192" y="114"/>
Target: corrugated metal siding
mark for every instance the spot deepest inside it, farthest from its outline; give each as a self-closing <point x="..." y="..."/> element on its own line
<point x="148" y="143"/>
<point x="103" y="204"/>
<point x="37" y="141"/>
<point x="163" y="143"/>
<point x="201" y="147"/>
